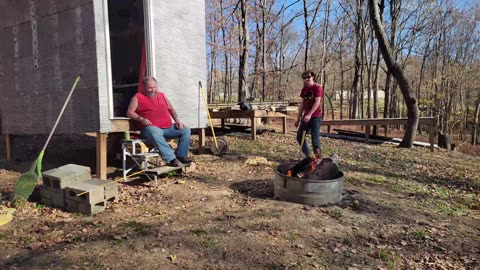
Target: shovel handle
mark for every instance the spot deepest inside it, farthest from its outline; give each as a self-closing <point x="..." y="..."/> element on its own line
<point x="61" y="113"/>
<point x="208" y="113"/>
<point x="303" y="139"/>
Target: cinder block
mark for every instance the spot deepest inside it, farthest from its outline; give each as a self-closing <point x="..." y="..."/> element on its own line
<point x="90" y="193"/>
<point x="61" y="177"/>
<point x="45" y="193"/>
<point x="110" y="188"/>
<point x="58" y="199"/>
<point x="71" y="206"/>
<point x="55" y="198"/>
<point x="91" y="209"/>
<point x="47" y="202"/>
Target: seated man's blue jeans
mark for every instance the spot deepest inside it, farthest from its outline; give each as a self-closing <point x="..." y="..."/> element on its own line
<point x="159" y="135"/>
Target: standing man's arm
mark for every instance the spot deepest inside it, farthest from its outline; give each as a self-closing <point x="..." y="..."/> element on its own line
<point x="174" y="115"/>
<point x="131" y="112"/>
<point x="299" y="113"/>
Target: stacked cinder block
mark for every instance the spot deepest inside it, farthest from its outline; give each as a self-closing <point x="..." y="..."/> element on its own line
<point x="56" y="180"/>
<point x="72" y="188"/>
<point x="91" y="196"/>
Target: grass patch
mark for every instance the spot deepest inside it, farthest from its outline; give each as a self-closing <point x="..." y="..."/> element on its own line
<point x="294" y="237"/>
<point x="449" y="208"/>
<point x="375" y="178"/>
<point x="211" y="244"/>
<point x="420" y="235"/>
<point x="442" y="192"/>
<point x="3" y="236"/>
<point x="140" y="228"/>
<point x="26" y="240"/>
<point x="335" y="213"/>
<point x="389" y="258"/>
<point x="198" y="232"/>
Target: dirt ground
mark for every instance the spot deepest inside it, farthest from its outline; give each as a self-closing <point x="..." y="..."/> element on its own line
<point x="401" y="209"/>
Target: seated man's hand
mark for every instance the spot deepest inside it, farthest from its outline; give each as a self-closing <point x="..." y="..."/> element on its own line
<point x="179" y="125"/>
<point x="146" y="122"/>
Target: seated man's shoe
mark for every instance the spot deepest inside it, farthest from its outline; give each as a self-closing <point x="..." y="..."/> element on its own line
<point x="174" y="163"/>
<point x="184" y="160"/>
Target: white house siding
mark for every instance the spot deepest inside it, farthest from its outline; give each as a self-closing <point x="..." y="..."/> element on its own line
<point x="180" y="56"/>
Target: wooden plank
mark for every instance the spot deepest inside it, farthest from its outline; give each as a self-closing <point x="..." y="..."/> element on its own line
<point x="367" y="133"/>
<point x="251" y="114"/>
<point x="102" y="155"/>
<point x="430" y="121"/>
<point x="232" y="114"/>
<point x="164" y="169"/>
<point x="263" y="113"/>
<point x="8" y="147"/>
<point x="244" y="114"/>
<point x="431" y="137"/>
<point x="121" y="125"/>
<point x="201" y="138"/>
<point x="254" y="128"/>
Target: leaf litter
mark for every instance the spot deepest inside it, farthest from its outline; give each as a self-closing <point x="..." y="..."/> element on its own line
<point x="402" y="208"/>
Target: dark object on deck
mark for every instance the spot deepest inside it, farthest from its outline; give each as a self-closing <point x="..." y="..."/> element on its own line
<point x="245" y="106"/>
<point x="443" y="140"/>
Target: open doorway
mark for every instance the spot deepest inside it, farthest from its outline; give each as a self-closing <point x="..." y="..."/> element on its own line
<point x="127" y="42"/>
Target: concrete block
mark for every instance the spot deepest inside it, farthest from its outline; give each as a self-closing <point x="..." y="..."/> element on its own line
<point x="47" y="202"/>
<point x="90" y="193"/>
<point x="61" y="177"/>
<point x="58" y="199"/>
<point x="110" y="188"/>
<point x="55" y="198"/>
<point x="45" y="193"/>
<point x="92" y="209"/>
<point x="71" y="206"/>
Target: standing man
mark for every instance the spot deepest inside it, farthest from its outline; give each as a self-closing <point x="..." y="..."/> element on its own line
<point x="309" y="115"/>
<point x="153" y="113"/>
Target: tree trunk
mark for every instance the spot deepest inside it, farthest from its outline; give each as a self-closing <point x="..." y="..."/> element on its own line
<point x="244" y="43"/>
<point x="476" y="115"/>
<point x="264" y="48"/>
<point x="395" y="69"/>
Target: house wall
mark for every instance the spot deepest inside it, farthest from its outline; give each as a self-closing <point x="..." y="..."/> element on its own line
<point x="44" y="46"/>
<point x="180" y="56"/>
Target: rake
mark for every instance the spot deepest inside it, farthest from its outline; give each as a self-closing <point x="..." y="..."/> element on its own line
<point x="28" y="180"/>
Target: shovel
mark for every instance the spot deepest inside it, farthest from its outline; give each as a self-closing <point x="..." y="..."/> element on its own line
<point x="27" y="181"/>
<point x="221" y="145"/>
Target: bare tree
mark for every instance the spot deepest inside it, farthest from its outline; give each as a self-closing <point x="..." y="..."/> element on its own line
<point x="395" y="69"/>
<point x="244" y="40"/>
<point x="308" y="26"/>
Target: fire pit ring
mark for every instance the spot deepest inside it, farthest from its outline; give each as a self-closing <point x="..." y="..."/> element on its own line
<point x="306" y="191"/>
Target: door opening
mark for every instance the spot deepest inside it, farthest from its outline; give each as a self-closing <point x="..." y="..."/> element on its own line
<point x="127" y="46"/>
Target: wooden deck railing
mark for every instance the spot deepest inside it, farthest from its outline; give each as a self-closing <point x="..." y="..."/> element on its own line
<point x="428" y="121"/>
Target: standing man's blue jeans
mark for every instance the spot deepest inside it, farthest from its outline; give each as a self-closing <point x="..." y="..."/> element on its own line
<point x="159" y="135"/>
<point x="314" y="126"/>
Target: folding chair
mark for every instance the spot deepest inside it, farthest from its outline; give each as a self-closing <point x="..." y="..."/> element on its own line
<point x="140" y="154"/>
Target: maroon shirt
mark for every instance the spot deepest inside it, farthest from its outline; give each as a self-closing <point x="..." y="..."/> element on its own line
<point x="308" y="94"/>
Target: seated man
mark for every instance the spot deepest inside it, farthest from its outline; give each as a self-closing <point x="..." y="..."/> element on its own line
<point x="152" y="110"/>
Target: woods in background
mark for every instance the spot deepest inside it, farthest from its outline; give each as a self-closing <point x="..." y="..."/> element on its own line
<point x="257" y="49"/>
